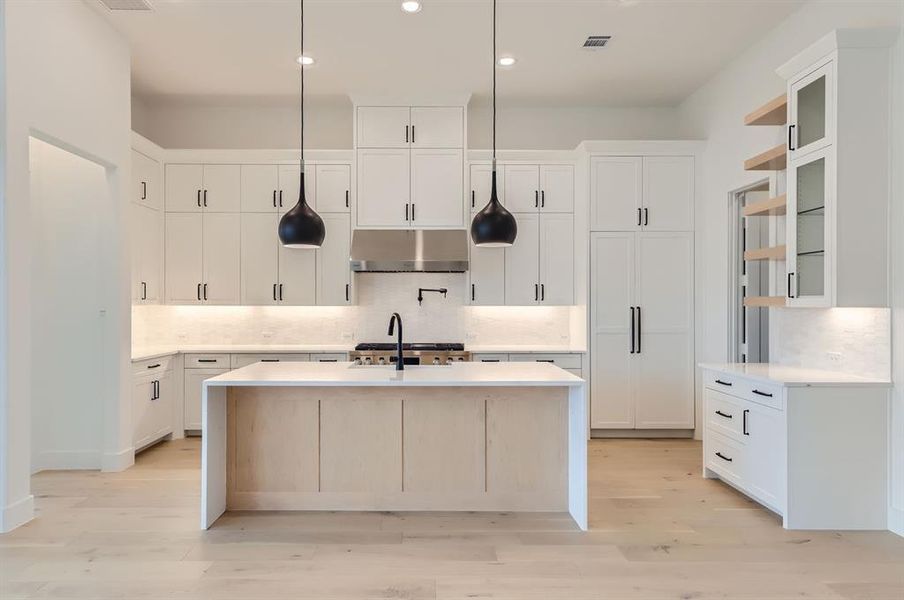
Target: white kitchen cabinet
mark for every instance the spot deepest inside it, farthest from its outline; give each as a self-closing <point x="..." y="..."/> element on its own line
<point x="147" y="254"/>
<point x="333" y="271"/>
<point x="203" y="188"/>
<point x="522" y="263"/>
<point x="642" y="288"/>
<point x="243" y="360"/>
<point x="809" y="242"/>
<point x="192" y="381"/>
<point x="556" y="259"/>
<point x="437" y="127"/>
<point x="260" y="259"/>
<point x="384" y="188"/>
<point x="522" y="188"/>
<point x="481" y="186"/>
<point x="486" y="276"/>
<point x="297" y="276"/>
<point x="383" y="127"/>
<point x="147" y="177"/>
<point x="152" y="401"/>
<point x="203" y="258"/>
<point x="811" y="110"/>
<point x="543" y="188"/>
<point x="289" y="181"/>
<point x="650" y="193"/>
<point x="557" y="188"/>
<point x="436" y="188"/>
<point x="333" y="188"/>
<point x="260" y="188"/>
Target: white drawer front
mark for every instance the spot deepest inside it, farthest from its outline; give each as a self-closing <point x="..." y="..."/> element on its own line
<point x="329" y="357"/>
<point x="726" y="457"/>
<point x="764" y="393"/>
<point x="489" y="358"/>
<point x="206" y="361"/>
<point x="724" y="414"/>
<point x="152" y="366"/>
<point x="566" y="361"/>
<point x="722" y="382"/>
<point x="243" y="360"/>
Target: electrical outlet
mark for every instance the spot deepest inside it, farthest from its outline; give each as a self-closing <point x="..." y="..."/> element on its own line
<point x="266" y="334"/>
<point x="834" y="357"/>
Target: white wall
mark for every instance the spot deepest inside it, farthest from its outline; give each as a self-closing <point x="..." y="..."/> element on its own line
<point x="67" y="82"/>
<point x="896" y="511"/>
<point x="68" y="198"/>
<point x="715" y="112"/>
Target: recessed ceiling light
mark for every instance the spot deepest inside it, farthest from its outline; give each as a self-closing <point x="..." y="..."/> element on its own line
<point x="507" y="61"/>
<point x="305" y="60"/>
<point x="411" y="6"/>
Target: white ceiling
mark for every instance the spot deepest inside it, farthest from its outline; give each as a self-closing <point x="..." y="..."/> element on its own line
<point x="661" y="51"/>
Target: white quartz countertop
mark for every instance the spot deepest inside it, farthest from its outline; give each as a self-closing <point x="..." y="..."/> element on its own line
<point x="345" y="374"/>
<point x="792" y="376"/>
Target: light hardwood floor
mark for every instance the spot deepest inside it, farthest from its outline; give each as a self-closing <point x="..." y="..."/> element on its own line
<point x="658" y="530"/>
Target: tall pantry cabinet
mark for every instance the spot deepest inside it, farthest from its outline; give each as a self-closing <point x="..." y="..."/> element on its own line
<point x="642" y="292"/>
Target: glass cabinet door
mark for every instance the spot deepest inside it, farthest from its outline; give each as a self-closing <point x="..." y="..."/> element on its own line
<point x="812" y="112"/>
<point x="809" y="199"/>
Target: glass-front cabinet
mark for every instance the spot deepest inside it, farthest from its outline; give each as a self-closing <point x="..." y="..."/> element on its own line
<point x="811" y="111"/>
<point x="809" y="249"/>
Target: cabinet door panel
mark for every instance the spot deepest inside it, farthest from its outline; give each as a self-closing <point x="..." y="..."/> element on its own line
<point x="436" y="188"/>
<point x="151" y="235"/>
<point x="183" y="187"/>
<point x="481" y="179"/>
<point x="809" y="247"/>
<point x="486" y="273"/>
<point x="668" y="193"/>
<point x="557" y="188"/>
<point x="383" y="127"/>
<point x="383" y="188"/>
<point x="333" y="270"/>
<point x="142" y="392"/>
<point x="260" y="184"/>
<point x="522" y="188"/>
<point x="766" y="440"/>
<point x="260" y="258"/>
<point x="289" y="181"/>
<point x="146" y="180"/>
<point x="135" y="245"/>
<point x="665" y="382"/>
<point x="192" y="394"/>
<point x="616" y="185"/>
<point x="162" y="407"/>
<point x="333" y="188"/>
<point x="437" y="127"/>
<point x="612" y="391"/>
<point x="223" y="188"/>
<point x="557" y="259"/>
<point x="222" y="258"/>
<point x="522" y="263"/>
<point x="298" y="275"/>
<point x="812" y="111"/>
<point x="184" y="252"/>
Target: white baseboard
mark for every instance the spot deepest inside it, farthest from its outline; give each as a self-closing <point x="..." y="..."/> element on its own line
<point x="896" y="520"/>
<point x="17" y="514"/>
<point x="641" y="433"/>
<point x="66" y="460"/>
<point x="118" y="461"/>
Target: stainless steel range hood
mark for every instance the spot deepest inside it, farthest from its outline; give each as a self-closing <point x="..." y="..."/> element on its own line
<point x="409" y="251"/>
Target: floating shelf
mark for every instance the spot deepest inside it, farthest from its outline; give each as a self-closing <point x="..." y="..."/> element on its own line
<point x="767" y="301"/>
<point x="774" y="159"/>
<point x="770" y="253"/>
<point x="771" y="207"/>
<point x="774" y="112"/>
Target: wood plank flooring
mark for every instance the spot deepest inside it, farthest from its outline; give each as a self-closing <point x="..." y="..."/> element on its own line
<point x="658" y="530"/>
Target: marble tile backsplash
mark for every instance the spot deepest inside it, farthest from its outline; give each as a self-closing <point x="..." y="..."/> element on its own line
<point x="378" y="296"/>
<point x="851" y="340"/>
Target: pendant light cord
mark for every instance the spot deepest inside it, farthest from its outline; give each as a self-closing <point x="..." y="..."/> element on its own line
<point x="301" y="62"/>
<point x="494" y="85"/>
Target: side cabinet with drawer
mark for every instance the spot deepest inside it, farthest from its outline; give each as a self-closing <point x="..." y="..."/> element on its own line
<point x="199" y="367"/>
<point x="812" y="451"/>
<point x="152" y="401"/>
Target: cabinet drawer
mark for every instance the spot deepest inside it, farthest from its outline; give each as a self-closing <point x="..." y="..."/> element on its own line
<point x="152" y="366"/>
<point x="767" y="394"/>
<point x="724" y="414"/>
<point x="726" y="457"/>
<point x="723" y="382"/>
<point x="243" y="360"/>
<point x="489" y="358"/>
<point x="565" y="361"/>
<point x="206" y="361"/>
<point x="329" y="357"/>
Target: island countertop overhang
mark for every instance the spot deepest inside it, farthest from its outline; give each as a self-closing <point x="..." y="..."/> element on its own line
<point x="346" y="374"/>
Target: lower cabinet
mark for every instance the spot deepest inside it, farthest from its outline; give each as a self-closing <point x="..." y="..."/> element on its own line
<point x="192" y="395"/>
<point x="573" y="363"/>
<point x="152" y="401"/>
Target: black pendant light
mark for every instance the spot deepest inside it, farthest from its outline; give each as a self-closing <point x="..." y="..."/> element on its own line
<point x="494" y="226"/>
<point x="301" y="227"/>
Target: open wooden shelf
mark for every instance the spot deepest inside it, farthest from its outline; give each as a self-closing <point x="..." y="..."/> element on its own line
<point x="760" y="301"/>
<point x="774" y="112"/>
<point x="771" y="207"/>
<point x="770" y="253"/>
<point x="774" y="159"/>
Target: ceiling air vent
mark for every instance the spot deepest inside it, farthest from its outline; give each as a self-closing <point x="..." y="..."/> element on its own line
<point x="126" y="4"/>
<point x="594" y="42"/>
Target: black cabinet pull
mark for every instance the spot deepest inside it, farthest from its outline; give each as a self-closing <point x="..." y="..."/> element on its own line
<point x="639" y="332"/>
<point x="728" y="383"/>
<point x="199" y="198"/>
<point x="274" y="198"/>
<point x="759" y="393"/>
<point x="646" y="217"/>
<point x="542" y="198"/>
<point x="542" y="292"/>
<point x="144" y="190"/>
<point x="744" y="421"/>
<point x="327" y="360"/>
<point x="536" y="292"/>
<point x="144" y="290"/>
<point x="639" y="216"/>
<point x="199" y="292"/>
<point x="346" y="198"/>
<point x="153" y="391"/>
<point x="472" y="199"/>
<point x="722" y="414"/>
<point x="205" y="292"/>
<point x="406" y="134"/>
<point x="406" y="212"/>
<point x="205" y="198"/>
<point x="269" y="360"/>
<point x="280" y="292"/>
<point x="723" y="457"/>
<point x="790" y="280"/>
<point x="412" y="211"/>
<point x="153" y="366"/>
<point x="207" y="360"/>
<point x="472" y="292"/>
<point x="489" y="360"/>
<point x="632" y="330"/>
<point x="412" y="134"/>
<point x="546" y="360"/>
<point x="347" y="292"/>
<point x="791" y="137"/>
<point x="536" y="199"/>
<point x="274" y="292"/>
<point x="280" y="198"/>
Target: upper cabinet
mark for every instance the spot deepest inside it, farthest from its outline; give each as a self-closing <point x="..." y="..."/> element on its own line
<point x="410" y="166"/>
<point x="839" y="99"/>
<point x="146" y="224"/>
<point x="649" y="193"/>
<point x="539" y="188"/>
<point x="274" y="188"/>
<point x="333" y="188"/>
<point x="147" y="178"/>
<point x="203" y="188"/>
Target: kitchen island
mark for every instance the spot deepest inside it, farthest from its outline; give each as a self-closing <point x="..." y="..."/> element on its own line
<point x="336" y="436"/>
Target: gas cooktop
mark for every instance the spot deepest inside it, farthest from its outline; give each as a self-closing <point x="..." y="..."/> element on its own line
<point x="417" y="346"/>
